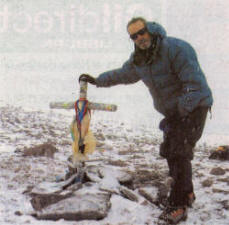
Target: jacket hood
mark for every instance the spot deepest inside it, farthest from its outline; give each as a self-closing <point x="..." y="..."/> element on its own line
<point x="156" y="29"/>
<point x="148" y="56"/>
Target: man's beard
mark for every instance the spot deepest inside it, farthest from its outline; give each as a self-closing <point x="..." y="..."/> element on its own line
<point x="144" y="53"/>
<point x="144" y="44"/>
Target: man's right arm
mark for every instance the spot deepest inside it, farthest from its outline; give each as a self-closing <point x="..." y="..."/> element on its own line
<point x="124" y="75"/>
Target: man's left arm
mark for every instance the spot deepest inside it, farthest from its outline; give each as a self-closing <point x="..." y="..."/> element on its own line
<point x="194" y="85"/>
<point x="124" y="75"/>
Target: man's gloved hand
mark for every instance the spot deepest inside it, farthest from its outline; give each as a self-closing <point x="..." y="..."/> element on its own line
<point x="87" y="78"/>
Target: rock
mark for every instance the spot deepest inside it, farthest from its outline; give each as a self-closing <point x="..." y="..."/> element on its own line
<point x="18" y="213"/>
<point x="129" y="194"/>
<point x="92" y="173"/>
<point x="17" y="120"/>
<point x="126" y="179"/>
<point x="226" y="180"/>
<point x="40" y="201"/>
<point x="145" y="177"/>
<point x="99" y="144"/>
<point x="100" y="137"/>
<point x="109" y="181"/>
<point x="205" y="215"/>
<point x="207" y="183"/>
<point x="163" y="190"/>
<point x="199" y="174"/>
<point x="107" y="146"/>
<point x="113" y="178"/>
<point x="225" y="204"/>
<point x="145" y="203"/>
<point x="149" y="193"/>
<point x="28" y="189"/>
<point x="119" y="163"/>
<point x="217" y="171"/>
<point x="54" y="187"/>
<point x="46" y="149"/>
<point x="81" y="206"/>
<point x="109" y="186"/>
<point x="216" y="190"/>
<point x="111" y="137"/>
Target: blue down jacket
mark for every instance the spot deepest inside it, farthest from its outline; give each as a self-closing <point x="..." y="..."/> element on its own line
<point x="173" y="76"/>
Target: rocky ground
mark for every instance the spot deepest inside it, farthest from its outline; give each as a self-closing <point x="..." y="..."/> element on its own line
<point x="123" y="178"/>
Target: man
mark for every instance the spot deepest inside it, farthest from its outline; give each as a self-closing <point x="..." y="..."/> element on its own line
<point x="169" y="68"/>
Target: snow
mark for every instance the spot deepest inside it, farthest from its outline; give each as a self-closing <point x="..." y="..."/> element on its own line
<point x="39" y="66"/>
<point x="138" y="150"/>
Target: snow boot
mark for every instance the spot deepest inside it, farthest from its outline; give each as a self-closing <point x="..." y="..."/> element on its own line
<point x="173" y="215"/>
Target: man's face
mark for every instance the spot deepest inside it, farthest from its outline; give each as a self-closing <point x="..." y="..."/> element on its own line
<point x="139" y="35"/>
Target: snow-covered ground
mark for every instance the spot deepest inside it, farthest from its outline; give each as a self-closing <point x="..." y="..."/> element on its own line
<point x="120" y="147"/>
<point x="42" y="53"/>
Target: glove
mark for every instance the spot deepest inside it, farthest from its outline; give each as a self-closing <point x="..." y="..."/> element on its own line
<point x="87" y="78"/>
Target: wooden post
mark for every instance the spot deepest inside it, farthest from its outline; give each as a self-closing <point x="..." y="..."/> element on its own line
<point x="79" y="135"/>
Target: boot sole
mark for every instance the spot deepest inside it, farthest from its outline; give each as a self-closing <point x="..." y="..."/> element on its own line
<point x="176" y="222"/>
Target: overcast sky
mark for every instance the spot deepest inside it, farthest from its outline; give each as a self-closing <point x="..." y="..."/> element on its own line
<point x="45" y="44"/>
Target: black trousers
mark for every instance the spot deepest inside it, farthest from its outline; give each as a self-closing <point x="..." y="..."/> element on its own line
<point x="180" y="137"/>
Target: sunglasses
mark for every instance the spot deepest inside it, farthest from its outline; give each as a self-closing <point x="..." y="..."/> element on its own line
<point x="140" y="32"/>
